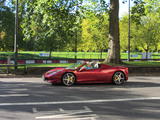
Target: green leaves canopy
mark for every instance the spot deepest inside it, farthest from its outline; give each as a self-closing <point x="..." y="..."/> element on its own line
<point x="49" y="22"/>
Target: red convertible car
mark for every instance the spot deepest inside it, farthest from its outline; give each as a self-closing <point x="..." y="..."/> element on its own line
<point x="87" y="73"/>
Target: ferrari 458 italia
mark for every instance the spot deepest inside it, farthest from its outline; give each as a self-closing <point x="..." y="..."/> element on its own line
<point x="87" y="72"/>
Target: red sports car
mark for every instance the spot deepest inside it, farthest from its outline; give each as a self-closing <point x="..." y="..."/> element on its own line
<point x="87" y="73"/>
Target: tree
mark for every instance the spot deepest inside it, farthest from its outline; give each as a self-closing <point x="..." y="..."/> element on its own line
<point x="148" y="33"/>
<point x="137" y="11"/>
<point x="114" y="42"/>
<point x="50" y="23"/>
<point x="146" y="16"/>
<point x="124" y="33"/>
<point x="6" y="27"/>
<point x="94" y="32"/>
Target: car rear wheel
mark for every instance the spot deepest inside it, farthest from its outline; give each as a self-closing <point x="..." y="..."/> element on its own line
<point x="118" y="78"/>
<point x="68" y="79"/>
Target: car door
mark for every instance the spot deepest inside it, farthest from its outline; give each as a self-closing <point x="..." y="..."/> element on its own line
<point x="89" y="75"/>
<point x="106" y="73"/>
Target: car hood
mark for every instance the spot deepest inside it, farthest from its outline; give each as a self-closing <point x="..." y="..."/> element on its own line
<point x="56" y="69"/>
<point x="59" y="70"/>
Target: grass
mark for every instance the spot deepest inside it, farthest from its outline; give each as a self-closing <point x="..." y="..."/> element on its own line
<point x="80" y="55"/>
<point x="144" y="63"/>
<point x="50" y="65"/>
<point x="132" y="63"/>
<point x="70" y="55"/>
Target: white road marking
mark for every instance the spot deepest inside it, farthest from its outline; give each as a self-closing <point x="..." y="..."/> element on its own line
<point x="87" y="108"/>
<point x="67" y="116"/>
<point x="83" y="101"/>
<point x="86" y="118"/>
<point x="85" y="114"/>
<point x="72" y="118"/>
<point x="34" y="110"/>
<point x="93" y="118"/>
<point x="61" y="110"/>
<point x="76" y="111"/>
<point x="23" y="89"/>
<point x="80" y="112"/>
<point x="14" y="95"/>
<point x="149" y="110"/>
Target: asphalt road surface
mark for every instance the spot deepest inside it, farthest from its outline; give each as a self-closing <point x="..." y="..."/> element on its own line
<point x="33" y="99"/>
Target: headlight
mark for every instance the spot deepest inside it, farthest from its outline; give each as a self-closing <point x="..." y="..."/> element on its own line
<point x="54" y="72"/>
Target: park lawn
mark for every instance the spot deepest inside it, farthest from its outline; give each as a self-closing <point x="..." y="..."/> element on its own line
<point x="144" y="63"/>
<point x="131" y="63"/>
<point x="55" y="55"/>
<point x="50" y="65"/>
<point x="71" y="55"/>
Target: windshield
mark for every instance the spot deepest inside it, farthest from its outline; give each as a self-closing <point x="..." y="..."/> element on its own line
<point x="74" y="66"/>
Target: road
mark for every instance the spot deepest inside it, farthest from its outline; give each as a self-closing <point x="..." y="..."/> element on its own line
<point x="30" y="98"/>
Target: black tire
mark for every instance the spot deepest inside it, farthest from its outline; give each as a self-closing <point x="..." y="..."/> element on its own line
<point x="119" y="78"/>
<point x="68" y="79"/>
<point x="53" y="84"/>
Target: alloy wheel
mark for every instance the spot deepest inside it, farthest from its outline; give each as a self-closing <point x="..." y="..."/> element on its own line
<point x="68" y="79"/>
<point x="118" y="78"/>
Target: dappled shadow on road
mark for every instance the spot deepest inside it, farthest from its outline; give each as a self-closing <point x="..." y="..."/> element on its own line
<point x="111" y="85"/>
<point x="129" y="110"/>
<point x="141" y="84"/>
<point x="44" y="92"/>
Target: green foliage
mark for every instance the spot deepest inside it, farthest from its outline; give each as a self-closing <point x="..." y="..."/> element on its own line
<point x="137" y="11"/>
<point x="124" y="33"/>
<point x="95" y="27"/>
<point x="55" y="25"/>
<point x="50" y="23"/>
<point x="6" y="27"/>
<point x="145" y="30"/>
<point x="149" y="33"/>
<point x="94" y="32"/>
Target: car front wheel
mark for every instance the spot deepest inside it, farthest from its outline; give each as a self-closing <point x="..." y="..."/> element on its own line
<point x="68" y="79"/>
<point x="118" y="78"/>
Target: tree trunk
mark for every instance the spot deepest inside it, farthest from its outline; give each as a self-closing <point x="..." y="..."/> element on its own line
<point x="50" y="53"/>
<point x="146" y="54"/>
<point x="147" y="49"/>
<point x="114" y="42"/>
<point x="101" y="54"/>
